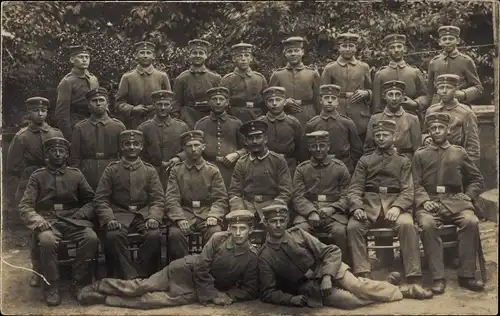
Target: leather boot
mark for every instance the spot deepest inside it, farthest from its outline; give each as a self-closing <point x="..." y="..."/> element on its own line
<point x="471" y="284"/>
<point x="438" y="286"/>
<point x="417" y="291"/>
<point x="89" y="295"/>
<point x="51" y="294"/>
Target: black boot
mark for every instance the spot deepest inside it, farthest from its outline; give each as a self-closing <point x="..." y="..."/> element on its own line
<point x="416" y="290"/>
<point x="89" y="295"/>
<point x="51" y="294"/>
<point x="438" y="286"/>
<point x="471" y="284"/>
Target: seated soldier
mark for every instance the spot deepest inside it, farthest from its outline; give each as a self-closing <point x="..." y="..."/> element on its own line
<point x="447" y="182"/>
<point x="296" y="269"/>
<point x="57" y="204"/>
<point x="320" y="192"/>
<point x="224" y="272"/>
<point x="196" y="197"/>
<point x="381" y="194"/>
<point x="129" y="198"/>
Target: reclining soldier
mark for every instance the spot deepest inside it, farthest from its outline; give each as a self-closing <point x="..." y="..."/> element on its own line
<point x="224" y="272"/>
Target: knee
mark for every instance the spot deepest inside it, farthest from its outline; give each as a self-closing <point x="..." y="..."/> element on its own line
<point x="90" y="237"/>
<point x="174" y="234"/>
<point x="152" y="235"/>
<point x="354" y="226"/>
<point x="113" y="236"/>
<point x="469" y="220"/>
<point x="212" y="230"/>
<point x="405" y="222"/>
<point x="339" y="231"/>
<point x="47" y="240"/>
<point x="427" y="223"/>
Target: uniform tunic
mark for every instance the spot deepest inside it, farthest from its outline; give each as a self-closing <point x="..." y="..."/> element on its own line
<point x="190" y="88"/>
<point x="135" y="88"/>
<point x="301" y="83"/>
<point x="94" y="145"/>
<point x="245" y="91"/>
<point x="72" y="106"/>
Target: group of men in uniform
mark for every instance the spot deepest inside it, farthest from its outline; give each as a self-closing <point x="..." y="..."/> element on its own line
<point x="331" y="153"/>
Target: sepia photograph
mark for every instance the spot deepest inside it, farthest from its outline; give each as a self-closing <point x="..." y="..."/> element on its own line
<point x="249" y="157"/>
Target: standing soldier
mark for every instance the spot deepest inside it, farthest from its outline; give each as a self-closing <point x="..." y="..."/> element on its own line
<point x="284" y="133"/>
<point x="345" y="143"/>
<point x="415" y="86"/>
<point x="261" y="177"/>
<point x="162" y="135"/>
<point x="223" y="140"/>
<point x="58" y="204"/>
<point x="196" y="197"/>
<point x="133" y="98"/>
<point x="446" y="184"/>
<point x="408" y="136"/>
<point x="129" y="198"/>
<point x="245" y="85"/>
<point x="353" y="77"/>
<point x="190" y="87"/>
<point x="95" y="140"/>
<point x="300" y="82"/>
<point x="72" y="106"/>
<point x="451" y="61"/>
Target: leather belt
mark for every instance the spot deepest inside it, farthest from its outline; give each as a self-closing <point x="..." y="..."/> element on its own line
<point x="195" y="204"/>
<point x="59" y="207"/>
<point x="322" y="197"/>
<point x="405" y="150"/>
<point x="381" y="189"/>
<point x="444" y="189"/>
<point x="259" y="197"/>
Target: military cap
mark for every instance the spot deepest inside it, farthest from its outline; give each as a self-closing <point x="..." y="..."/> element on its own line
<point x="384" y="125"/>
<point x="78" y="49"/>
<point x="144" y="45"/>
<point x="329" y="89"/>
<point x="96" y="92"/>
<point x="274" y="92"/>
<point x="161" y="95"/>
<point x="218" y="91"/>
<point x="318" y="137"/>
<point x="438" y="117"/>
<point x="447" y="78"/>
<point x="198" y="44"/>
<point x="131" y="134"/>
<point x="56" y="141"/>
<point x="242" y="48"/>
<point x="449" y="30"/>
<point x="275" y="210"/>
<point x="240" y="217"/>
<point x="294" y="42"/>
<point x="253" y="127"/>
<point x="394" y="84"/>
<point x="36" y="102"/>
<point x="394" y="38"/>
<point x="348" y="38"/>
<point x="192" y="135"/>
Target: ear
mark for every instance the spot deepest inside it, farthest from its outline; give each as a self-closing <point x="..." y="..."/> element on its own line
<point x="72" y="59"/>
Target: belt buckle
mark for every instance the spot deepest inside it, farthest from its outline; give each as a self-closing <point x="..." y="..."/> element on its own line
<point x="249" y="104"/>
<point x="99" y="155"/>
<point x="196" y="204"/>
<point x="382" y="190"/>
<point x="321" y="198"/>
<point x="200" y="103"/>
<point x="58" y="207"/>
<point x="257" y="198"/>
<point x="441" y="189"/>
<point x="132" y="208"/>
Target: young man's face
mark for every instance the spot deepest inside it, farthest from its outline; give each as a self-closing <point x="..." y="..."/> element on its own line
<point x="329" y="103"/>
<point x="319" y="150"/>
<point x="80" y="61"/>
<point x="131" y="148"/>
<point x="276" y="226"/>
<point x="240" y="232"/>
<point x="163" y="107"/>
<point x="438" y="132"/>
<point x="256" y="143"/>
<point x="218" y="103"/>
<point x="396" y="51"/>
<point x="144" y="57"/>
<point x="383" y="139"/>
<point x="197" y="57"/>
<point x="98" y="105"/>
<point x="294" y="55"/>
<point x="394" y="98"/>
<point x="347" y="50"/>
<point x="243" y="60"/>
<point x="275" y="105"/>
<point x="448" y="43"/>
<point x="57" y="156"/>
<point x="38" y="115"/>
<point x="194" y="149"/>
<point x="446" y="91"/>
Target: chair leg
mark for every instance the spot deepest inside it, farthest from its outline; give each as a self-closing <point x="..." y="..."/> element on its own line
<point x="385" y="256"/>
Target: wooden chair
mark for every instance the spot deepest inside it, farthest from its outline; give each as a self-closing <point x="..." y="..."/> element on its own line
<point x="195" y="242"/>
<point x="66" y="253"/>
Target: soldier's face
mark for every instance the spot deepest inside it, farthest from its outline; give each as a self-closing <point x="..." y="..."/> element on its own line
<point x="256" y="143"/>
<point x="294" y="55"/>
<point x="57" y="156"/>
<point x="446" y="92"/>
<point x="163" y="107"/>
<point x="275" y="104"/>
<point x="347" y="50"/>
<point x="197" y="57"/>
<point x="383" y="139"/>
<point x="276" y="226"/>
<point x="394" y="98"/>
<point x="218" y="103"/>
<point x="80" y="61"/>
<point x="98" y="105"/>
<point x="243" y="60"/>
<point x="319" y="150"/>
<point x="396" y="51"/>
<point x="194" y="149"/>
<point x="38" y="115"/>
<point x="131" y="148"/>
<point x="145" y="57"/>
<point x="329" y="102"/>
<point x="240" y="233"/>
<point x="438" y="132"/>
<point x="448" y="43"/>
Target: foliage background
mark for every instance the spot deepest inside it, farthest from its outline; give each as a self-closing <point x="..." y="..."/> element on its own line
<point x="35" y="35"/>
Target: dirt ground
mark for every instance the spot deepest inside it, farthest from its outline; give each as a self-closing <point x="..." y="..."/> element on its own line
<point x="18" y="298"/>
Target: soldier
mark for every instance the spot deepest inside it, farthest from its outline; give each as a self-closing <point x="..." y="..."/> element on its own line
<point x="95" y="140"/>
<point x="463" y="130"/>
<point x="223" y="140"/>
<point x="320" y="192"/>
<point x="353" y="77"/>
<point x="196" y="197"/>
<point x="415" y="90"/>
<point x="224" y="272"/>
<point x="451" y="61"/>
<point x="301" y="82"/>
<point x="58" y="204"/>
<point x="245" y="85"/>
<point x="446" y="184"/>
<point x="129" y="198"/>
<point x="133" y="98"/>
<point x="345" y="143"/>
<point x="293" y="261"/>
<point x="72" y="106"/>
<point x="381" y="194"/>
<point x="261" y="177"/>
<point x="162" y="145"/>
<point x="190" y="87"/>
<point x="407" y="138"/>
<point x="284" y="133"/>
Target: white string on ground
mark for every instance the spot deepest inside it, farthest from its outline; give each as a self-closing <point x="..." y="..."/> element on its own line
<point x="27" y="269"/>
